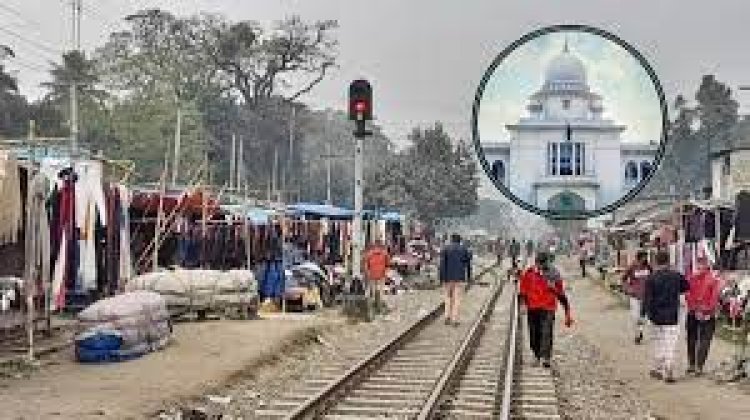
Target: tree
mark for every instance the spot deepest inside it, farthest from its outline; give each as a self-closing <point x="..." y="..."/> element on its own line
<point x="75" y="69"/>
<point x="289" y="60"/>
<point x="13" y="107"/>
<point x="433" y="178"/>
<point x="707" y="124"/>
<point x="158" y="55"/>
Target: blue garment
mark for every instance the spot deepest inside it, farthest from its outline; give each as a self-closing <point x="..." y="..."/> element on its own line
<point x="272" y="280"/>
<point x="455" y="263"/>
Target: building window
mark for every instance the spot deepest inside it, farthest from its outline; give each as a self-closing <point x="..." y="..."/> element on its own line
<point x="552" y="161"/>
<point x="631" y="172"/>
<point x="645" y="169"/>
<point x="580" y="156"/>
<point x="726" y="168"/>
<point x="566" y="103"/>
<point x="566" y="159"/>
<point x="498" y="171"/>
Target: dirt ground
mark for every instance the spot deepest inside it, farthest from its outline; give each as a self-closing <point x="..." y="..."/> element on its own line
<point x="201" y="356"/>
<point x="603" y="321"/>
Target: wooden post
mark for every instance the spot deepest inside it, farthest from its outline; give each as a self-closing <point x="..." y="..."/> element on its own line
<point x="159" y="217"/>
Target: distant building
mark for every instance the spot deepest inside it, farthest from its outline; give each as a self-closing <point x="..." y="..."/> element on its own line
<point x="564" y="155"/>
<point x="730" y="165"/>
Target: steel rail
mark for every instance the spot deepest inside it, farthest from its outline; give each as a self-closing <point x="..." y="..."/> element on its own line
<point x="461" y="357"/>
<point x="510" y="359"/>
<point x="320" y="402"/>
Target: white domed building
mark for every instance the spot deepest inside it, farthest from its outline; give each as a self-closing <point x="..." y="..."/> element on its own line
<point x="563" y="155"/>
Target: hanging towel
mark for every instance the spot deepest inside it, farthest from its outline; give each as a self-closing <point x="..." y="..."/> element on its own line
<point x="11" y="217"/>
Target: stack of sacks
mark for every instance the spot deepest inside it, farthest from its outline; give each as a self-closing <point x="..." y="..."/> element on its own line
<point x="131" y="325"/>
<point x="200" y="289"/>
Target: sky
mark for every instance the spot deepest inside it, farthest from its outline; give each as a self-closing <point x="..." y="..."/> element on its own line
<point x="629" y="95"/>
<point x="425" y="57"/>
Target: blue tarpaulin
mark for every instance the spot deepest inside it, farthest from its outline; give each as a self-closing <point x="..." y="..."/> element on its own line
<point x="320" y="210"/>
<point x="256" y="215"/>
<point x="339" y="213"/>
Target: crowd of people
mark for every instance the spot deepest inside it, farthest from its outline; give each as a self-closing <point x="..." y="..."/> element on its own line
<point x="658" y="294"/>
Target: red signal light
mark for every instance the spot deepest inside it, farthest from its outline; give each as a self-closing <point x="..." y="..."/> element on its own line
<point x="360" y="106"/>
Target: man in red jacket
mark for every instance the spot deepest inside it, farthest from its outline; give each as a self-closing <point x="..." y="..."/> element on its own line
<point x="540" y="289"/>
<point x="702" y="303"/>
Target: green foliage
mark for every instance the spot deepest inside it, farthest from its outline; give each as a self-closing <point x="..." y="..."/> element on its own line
<point x="433" y="178"/>
<point x="694" y="132"/>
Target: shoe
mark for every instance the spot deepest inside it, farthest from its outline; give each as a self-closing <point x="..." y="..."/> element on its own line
<point x="456" y="323"/>
<point x="690" y="371"/>
<point x="639" y="338"/>
<point x="546" y="363"/>
<point x="656" y="374"/>
<point x="447" y="321"/>
<point x="668" y="378"/>
<point x="698" y="372"/>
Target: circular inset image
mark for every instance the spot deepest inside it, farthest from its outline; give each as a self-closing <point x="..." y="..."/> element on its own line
<point x="570" y="122"/>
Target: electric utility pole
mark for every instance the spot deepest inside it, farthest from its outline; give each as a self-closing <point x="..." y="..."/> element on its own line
<point x="76" y="44"/>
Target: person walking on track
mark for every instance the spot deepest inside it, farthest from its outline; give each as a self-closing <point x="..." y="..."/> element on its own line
<point x="540" y="289"/>
<point x="376" y="265"/>
<point x="702" y="303"/>
<point x="514" y="252"/>
<point x="632" y="283"/>
<point x="529" y="250"/>
<point x="662" y="295"/>
<point x="454" y="272"/>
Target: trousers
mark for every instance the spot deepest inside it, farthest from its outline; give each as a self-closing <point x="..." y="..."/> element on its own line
<point x="635" y="315"/>
<point x="665" y="339"/>
<point x="699" y="336"/>
<point x="540" y="326"/>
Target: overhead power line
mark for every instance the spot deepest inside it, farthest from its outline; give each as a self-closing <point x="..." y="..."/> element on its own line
<point x="31" y="42"/>
<point x="17" y="14"/>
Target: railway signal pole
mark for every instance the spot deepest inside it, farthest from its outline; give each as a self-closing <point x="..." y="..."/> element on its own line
<point x="360" y="111"/>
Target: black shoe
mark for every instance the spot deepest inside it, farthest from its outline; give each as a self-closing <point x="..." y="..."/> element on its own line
<point x="656" y="374"/>
<point x="456" y="323"/>
<point x="668" y="378"/>
<point x="447" y="321"/>
<point x="546" y="363"/>
<point x="690" y="370"/>
<point x="639" y="338"/>
<point x="698" y="372"/>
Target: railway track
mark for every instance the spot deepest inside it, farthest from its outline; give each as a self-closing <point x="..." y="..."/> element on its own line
<point x="431" y="370"/>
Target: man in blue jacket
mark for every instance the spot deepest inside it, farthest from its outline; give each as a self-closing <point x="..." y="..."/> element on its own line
<point x="454" y="272"/>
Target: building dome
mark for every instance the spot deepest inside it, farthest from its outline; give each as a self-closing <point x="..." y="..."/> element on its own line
<point x="566" y="68"/>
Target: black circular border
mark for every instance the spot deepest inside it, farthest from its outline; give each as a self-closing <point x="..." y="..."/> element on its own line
<point x="569" y="28"/>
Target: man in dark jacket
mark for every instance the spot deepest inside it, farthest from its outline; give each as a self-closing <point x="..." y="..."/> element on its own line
<point x="662" y="296"/>
<point x="454" y="271"/>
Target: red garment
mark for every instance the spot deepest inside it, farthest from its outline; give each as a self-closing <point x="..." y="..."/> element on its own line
<point x="376" y="263"/>
<point x="635" y="278"/>
<point x="703" y="295"/>
<point x="538" y="292"/>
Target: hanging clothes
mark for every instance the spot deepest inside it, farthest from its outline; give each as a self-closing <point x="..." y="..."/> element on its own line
<point x="66" y="265"/>
<point x="90" y="205"/>
<point x="742" y="217"/>
<point x="126" y="264"/>
<point x="11" y="211"/>
<point x="37" y="237"/>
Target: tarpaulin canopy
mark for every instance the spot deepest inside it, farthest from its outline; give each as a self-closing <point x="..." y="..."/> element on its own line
<point x="256" y="215"/>
<point x="319" y="210"/>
